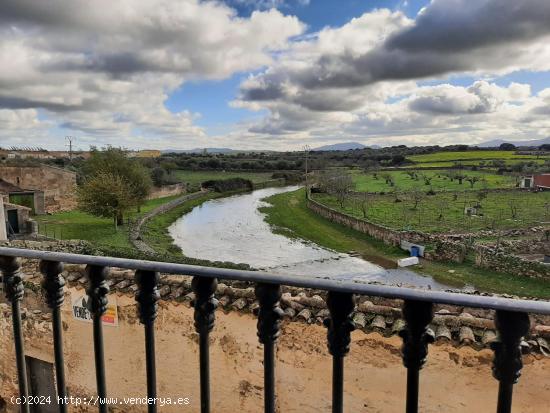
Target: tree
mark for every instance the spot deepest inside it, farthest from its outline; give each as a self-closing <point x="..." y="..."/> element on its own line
<point x="416" y="196"/>
<point x="338" y="183"/>
<point x="342" y="185"/>
<point x="114" y="161"/>
<point x="507" y="147"/>
<point x="427" y="179"/>
<point x="168" y="166"/>
<point x="514" y="207"/>
<point x="158" y="175"/>
<point x="364" y="203"/>
<point x="460" y="177"/>
<point x="472" y="180"/>
<point x="104" y="195"/>
<point x="389" y="179"/>
<point x="481" y="195"/>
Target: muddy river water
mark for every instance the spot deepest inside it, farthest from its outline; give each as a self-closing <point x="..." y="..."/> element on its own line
<point x="233" y="229"/>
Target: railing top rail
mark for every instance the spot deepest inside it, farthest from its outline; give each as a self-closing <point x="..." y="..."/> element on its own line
<point x="441" y="297"/>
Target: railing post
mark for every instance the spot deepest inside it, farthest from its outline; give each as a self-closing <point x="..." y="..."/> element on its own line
<point x="53" y="284"/>
<point x="269" y="321"/>
<point x="507" y="364"/>
<point x="340" y="325"/>
<point x="416" y="337"/>
<point x="205" y="306"/>
<point x="147" y="297"/>
<point x="14" y="289"/>
<point x="97" y="292"/>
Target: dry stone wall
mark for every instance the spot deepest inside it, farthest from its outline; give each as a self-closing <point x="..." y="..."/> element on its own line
<point x="444" y="247"/>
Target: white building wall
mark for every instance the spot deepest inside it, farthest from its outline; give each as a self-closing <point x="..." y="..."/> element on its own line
<point x="3" y="234"/>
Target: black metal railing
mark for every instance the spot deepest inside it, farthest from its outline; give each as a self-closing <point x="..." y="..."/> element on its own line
<point x="511" y="320"/>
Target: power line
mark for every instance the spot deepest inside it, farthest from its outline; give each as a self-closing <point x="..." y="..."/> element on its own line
<point x="70" y="144"/>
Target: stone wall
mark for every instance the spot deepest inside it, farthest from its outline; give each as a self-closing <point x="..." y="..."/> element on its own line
<point x="57" y="184"/>
<point x="167" y="190"/>
<point x="499" y="261"/>
<point x="443" y="247"/>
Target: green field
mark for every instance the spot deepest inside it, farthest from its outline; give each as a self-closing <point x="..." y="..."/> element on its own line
<point x="471" y="155"/>
<point x="290" y="216"/>
<point x="100" y="231"/>
<point x="376" y="182"/>
<point x="443" y="213"/>
<point x="487" y="164"/>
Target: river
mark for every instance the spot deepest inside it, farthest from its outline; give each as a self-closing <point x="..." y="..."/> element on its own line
<point x="233" y="229"/>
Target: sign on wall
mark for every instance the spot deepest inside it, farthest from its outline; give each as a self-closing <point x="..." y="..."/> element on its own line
<point x="81" y="309"/>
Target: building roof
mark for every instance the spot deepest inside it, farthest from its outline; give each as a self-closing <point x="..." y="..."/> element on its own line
<point x="9" y="205"/>
<point x="6" y="187"/>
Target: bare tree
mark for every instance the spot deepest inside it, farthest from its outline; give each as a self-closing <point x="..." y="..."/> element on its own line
<point x="416" y="196"/>
<point x="338" y="183"/>
<point x="363" y="201"/>
<point x="514" y="207"/>
<point x="342" y="186"/>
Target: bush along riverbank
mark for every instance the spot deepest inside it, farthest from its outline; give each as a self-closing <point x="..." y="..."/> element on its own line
<point x="290" y="216"/>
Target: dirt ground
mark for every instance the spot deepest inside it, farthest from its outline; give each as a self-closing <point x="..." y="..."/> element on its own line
<point x="454" y="379"/>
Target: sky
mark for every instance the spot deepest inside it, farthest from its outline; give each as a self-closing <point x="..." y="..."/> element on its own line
<point x="272" y="74"/>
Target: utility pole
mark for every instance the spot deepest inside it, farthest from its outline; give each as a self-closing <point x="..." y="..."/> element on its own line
<point x="70" y="144"/>
<point x="306" y="153"/>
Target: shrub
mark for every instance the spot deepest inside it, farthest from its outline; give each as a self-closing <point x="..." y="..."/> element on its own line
<point x="226" y="185"/>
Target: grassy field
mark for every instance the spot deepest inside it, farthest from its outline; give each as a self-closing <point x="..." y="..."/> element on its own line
<point x="375" y="182"/>
<point x="290" y="216"/>
<point x="197" y="177"/>
<point x="487" y="164"/>
<point x="470" y="155"/>
<point x="100" y="231"/>
<point x="443" y="213"/>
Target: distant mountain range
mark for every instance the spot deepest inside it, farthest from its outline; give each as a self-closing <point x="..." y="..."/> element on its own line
<point x="344" y="146"/>
<point x="497" y="142"/>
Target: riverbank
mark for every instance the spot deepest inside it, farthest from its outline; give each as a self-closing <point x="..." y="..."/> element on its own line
<point x="289" y="216"/>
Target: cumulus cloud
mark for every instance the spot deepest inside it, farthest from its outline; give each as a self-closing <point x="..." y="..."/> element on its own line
<point x="491" y="36"/>
<point x="480" y="97"/>
<point x="106" y="68"/>
<point x="368" y="69"/>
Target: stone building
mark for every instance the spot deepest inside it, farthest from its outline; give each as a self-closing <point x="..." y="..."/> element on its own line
<point x="15" y="220"/>
<point x="538" y="181"/>
<point x="57" y="185"/>
<point x="32" y="199"/>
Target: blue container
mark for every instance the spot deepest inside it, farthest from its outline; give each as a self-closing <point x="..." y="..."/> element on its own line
<point x="415" y="251"/>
